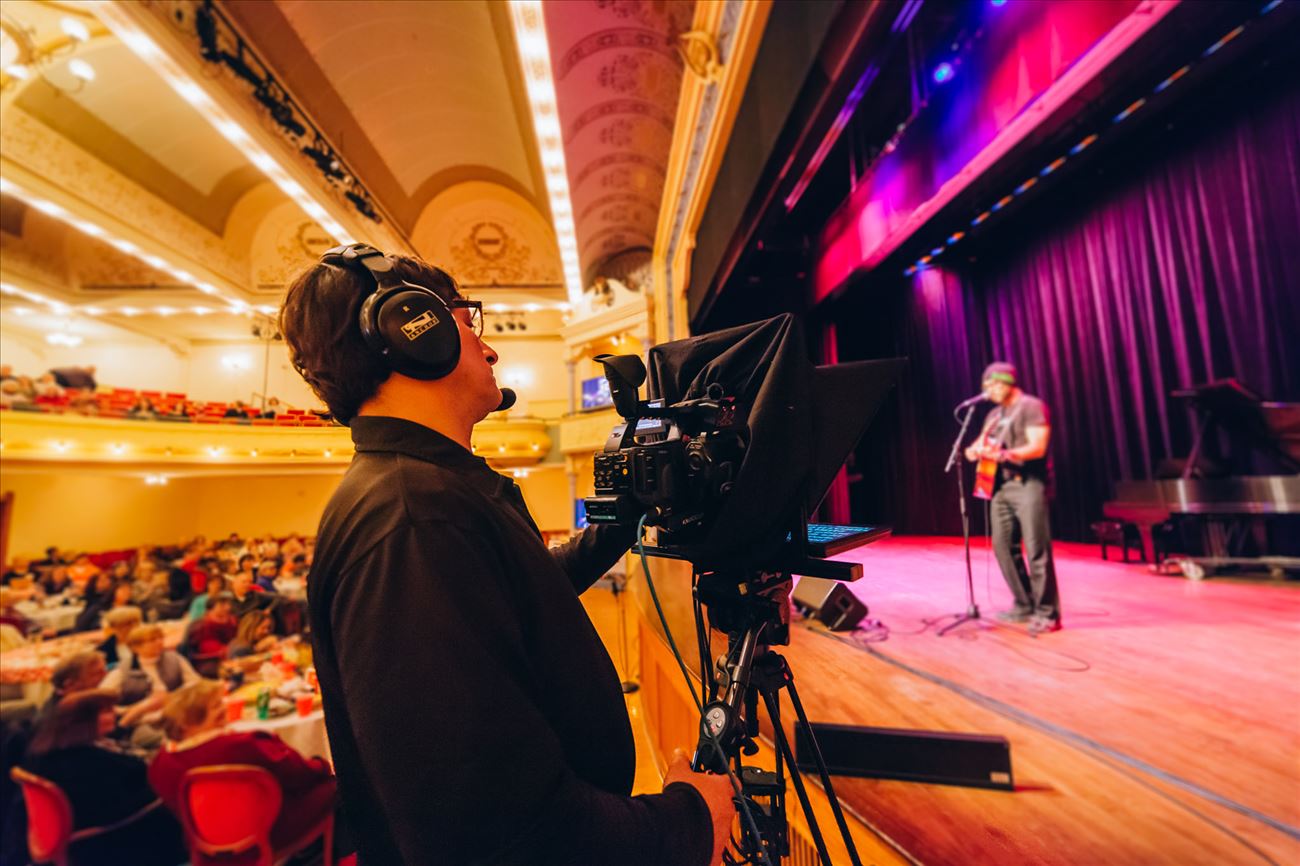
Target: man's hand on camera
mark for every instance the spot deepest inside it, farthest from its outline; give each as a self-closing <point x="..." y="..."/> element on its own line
<point x="717" y="794"/>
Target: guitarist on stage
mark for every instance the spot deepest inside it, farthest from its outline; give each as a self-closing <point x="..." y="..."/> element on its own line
<point x="1012" y="451"/>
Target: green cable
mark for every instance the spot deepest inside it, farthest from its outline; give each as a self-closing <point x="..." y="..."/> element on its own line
<point x="690" y="687"/>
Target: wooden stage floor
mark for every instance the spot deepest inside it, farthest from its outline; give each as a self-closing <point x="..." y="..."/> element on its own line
<point x="1162" y="725"/>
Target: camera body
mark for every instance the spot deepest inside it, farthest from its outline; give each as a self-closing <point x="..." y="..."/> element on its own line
<point x="674" y="464"/>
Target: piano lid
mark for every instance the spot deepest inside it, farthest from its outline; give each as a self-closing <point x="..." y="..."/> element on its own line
<point x="1253" y="425"/>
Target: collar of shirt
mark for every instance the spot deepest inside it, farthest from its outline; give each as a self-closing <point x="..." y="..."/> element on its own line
<point x="371" y="433"/>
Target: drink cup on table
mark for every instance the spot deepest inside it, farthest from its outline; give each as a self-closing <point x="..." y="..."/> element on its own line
<point x="234" y="708"/>
<point x="305" y="703"/>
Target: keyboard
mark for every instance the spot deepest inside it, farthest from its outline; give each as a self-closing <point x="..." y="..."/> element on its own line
<point x="828" y="539"/>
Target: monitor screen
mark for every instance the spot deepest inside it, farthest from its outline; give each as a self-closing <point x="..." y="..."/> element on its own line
<point x="579" y="513"/>
<point x="595" y="393"/>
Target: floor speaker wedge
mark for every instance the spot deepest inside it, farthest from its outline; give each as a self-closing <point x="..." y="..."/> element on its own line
<point x="830" y="602"/>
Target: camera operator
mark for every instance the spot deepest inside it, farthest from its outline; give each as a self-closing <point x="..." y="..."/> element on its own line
<point x="473" y="713"/>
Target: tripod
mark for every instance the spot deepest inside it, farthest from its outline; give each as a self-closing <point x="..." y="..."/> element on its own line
<point x="618" y="585"/>
<point x="972" y="613"/>
<point x="754" y="614"/>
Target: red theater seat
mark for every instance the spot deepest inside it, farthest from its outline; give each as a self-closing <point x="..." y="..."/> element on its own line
<point x="227" y="811"/>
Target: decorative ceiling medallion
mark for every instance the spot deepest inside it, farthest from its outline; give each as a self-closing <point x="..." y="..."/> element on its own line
<point x="313" y="240"/>
<point x="490" y="255"/>
<point x="280" y="252"/>
<point x="489" y="241"/>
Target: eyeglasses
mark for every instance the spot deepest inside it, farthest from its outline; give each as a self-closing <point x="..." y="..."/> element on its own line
<point x="475" y="313"/>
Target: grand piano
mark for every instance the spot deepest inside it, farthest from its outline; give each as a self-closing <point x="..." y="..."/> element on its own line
<point x="1221" y="489"/>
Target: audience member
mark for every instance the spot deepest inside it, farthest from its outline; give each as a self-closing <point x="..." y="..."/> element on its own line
<point x="12" y="394"/>
<point x="119" y="623"/>
<point x="82" y="569"/>
<point x="75" y="377"/>
<point x="195" y="719"/>
<point x="47" y="386"/>
<point x="211" y="635"/>
<point x="20" y="568"/>
<point x="142" y="408"/>
<point x="272" y="408"/>
<point x="56" y="581"/>
<point x="104" y="787"/>
<point x="199" y="606"/>
<point x="255" y="635"/>
<point x="78" y="672"/>
<point x="238" y="409"/>
<point x="151" y="668"/>
<point x="246" y="596"/>
<point x="267" y="571"/>
<point x="52" y="558"/>
<point x="9" y="614"/>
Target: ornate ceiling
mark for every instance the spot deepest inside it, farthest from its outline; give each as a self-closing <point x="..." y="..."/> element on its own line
<point x="617" y="78"/>
<point x="423" y="99"/>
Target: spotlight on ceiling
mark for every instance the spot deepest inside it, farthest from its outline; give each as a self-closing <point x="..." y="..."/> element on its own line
<point x="943" y="73"/>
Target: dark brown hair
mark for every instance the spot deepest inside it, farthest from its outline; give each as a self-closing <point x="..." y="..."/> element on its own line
<point x="319" y="321"/>
<point x="75" y="721"/>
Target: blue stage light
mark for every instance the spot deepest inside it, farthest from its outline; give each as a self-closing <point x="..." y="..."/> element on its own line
<point x="943" y="73"/>
<point x="997" y="2"/>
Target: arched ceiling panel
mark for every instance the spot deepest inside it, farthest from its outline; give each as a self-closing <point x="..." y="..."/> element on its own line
<point x="127" y="118"/>
<point x="617" y="80"/>
<point x="491" y="239"/>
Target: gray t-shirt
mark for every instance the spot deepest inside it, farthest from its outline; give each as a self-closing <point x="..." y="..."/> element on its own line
<point x="1007" y="426"/>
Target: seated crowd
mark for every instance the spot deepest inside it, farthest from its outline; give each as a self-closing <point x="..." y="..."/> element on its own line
<point x="127" y="719"/>
<point x="75" y="389"/>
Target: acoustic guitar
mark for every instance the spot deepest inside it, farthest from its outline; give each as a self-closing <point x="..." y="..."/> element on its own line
<point x="986" y="470"/>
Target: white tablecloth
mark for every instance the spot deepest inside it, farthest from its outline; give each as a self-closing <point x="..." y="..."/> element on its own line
<point x="306" y="734"/>
<point x="59" y="617"/>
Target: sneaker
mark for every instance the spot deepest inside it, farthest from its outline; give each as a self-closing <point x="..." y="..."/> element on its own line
<point x="1016" y="614"/>
<point x="1044" y="624"/>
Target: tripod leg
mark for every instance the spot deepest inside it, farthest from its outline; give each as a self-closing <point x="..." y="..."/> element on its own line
<point x="802" y="718"/>
<point x="783" y="749"/>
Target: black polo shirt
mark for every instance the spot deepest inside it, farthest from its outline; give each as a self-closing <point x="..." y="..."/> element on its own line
<point x="473" y="712"/>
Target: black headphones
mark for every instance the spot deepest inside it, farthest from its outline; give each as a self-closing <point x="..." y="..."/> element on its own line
<point x="411" y="326"/>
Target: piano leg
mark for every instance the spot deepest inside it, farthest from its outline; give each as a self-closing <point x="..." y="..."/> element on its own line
<point x="1148" y="544"/>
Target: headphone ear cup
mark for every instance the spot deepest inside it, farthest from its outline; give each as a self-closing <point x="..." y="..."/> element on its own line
<point x="414" y="330"/>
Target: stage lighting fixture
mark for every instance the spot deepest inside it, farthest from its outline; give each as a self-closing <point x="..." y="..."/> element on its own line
<point x="362" y="205"/>
<point x="206" y="27"/>
<point x="997" y="3"/>
<point x="943" y="73"/>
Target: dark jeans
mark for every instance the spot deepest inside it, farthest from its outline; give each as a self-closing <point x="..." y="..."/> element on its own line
<point x="1018" y="514"/>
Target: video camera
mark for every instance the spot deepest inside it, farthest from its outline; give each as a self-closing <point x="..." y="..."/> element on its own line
<point x="674" y="464"/>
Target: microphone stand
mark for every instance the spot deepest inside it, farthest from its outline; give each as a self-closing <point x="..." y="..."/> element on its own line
<point x="972" y="613"/>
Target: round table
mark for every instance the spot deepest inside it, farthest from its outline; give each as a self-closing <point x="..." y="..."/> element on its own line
<point x="305" y="734"/>
<point x="33" y="664"/>
<point x="59" y="617"/>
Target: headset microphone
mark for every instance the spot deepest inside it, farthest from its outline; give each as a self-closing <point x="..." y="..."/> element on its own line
<point x="508" y="398"/>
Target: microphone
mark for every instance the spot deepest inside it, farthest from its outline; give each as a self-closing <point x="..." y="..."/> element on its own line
<point x="508" y="398"/>
<point x="964" y="404"/>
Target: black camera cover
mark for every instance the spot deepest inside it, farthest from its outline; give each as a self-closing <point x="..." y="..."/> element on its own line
<point x="802" y="420"/>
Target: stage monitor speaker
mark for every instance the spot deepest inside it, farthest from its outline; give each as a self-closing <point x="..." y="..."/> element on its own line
<point x="830" y="602"/>
<point x="971" y="760"/>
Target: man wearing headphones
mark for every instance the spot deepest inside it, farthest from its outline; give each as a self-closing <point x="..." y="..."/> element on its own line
<point x="473" y="714"/>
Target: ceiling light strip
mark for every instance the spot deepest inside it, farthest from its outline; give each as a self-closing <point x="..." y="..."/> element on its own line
<point x="193" y="93"/>
<point x="87" y="227"/>
<point x="535" y="60"/>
